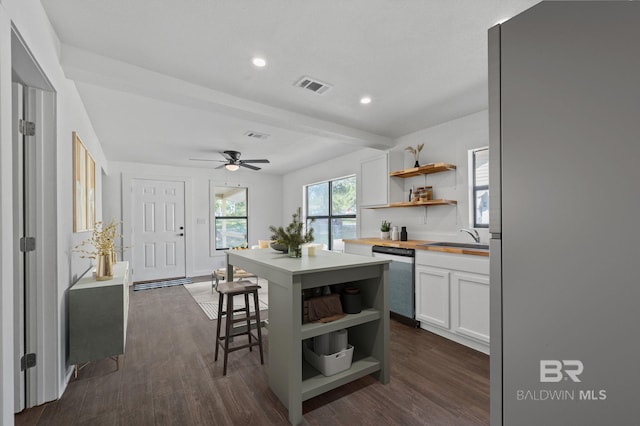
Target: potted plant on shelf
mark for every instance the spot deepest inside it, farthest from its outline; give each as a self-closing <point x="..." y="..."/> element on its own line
<point x="385" y="227"/>
<point x="292" y="236"/>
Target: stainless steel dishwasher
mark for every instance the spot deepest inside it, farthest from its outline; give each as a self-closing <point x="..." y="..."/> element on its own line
<point x="402" y="302"/>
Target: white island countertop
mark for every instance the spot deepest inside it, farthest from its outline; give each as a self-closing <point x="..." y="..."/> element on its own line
<point x="322" y="261"/>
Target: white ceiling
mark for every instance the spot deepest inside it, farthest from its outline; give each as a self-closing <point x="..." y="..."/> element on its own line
<point x="167" y="81"/>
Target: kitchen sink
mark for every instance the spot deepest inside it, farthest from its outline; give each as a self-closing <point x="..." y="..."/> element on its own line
<point x="458" y="245"/>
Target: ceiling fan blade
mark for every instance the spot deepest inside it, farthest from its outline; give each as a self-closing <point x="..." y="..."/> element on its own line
<point x="221" y="166"/>
<point x="263" y="160"/>
<point x="249" y="166"/>
<point x="226" y="155"/>
<point x="203" y="159"/>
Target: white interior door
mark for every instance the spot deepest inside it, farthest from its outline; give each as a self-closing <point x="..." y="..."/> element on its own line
<point x="25" y="290"/>
<point x="19" y="261"/>
<point x="158" y="230"/>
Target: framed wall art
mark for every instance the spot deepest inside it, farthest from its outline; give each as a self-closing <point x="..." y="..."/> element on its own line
<point x="84" y="187"/>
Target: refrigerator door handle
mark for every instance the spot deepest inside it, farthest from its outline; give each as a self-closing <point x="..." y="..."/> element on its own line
<point x="495" y="130"/>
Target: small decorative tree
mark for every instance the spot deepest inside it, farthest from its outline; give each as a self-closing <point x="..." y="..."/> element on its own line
<point x="292" y="236"/>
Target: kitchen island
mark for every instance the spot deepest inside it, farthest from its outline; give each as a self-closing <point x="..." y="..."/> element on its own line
<point x="290" y="377"/>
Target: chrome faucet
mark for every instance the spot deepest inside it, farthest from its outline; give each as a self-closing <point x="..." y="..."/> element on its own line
<point x="474" y="234"/>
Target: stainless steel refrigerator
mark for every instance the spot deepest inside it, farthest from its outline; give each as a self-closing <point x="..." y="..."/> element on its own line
<point x="564" y="94"/>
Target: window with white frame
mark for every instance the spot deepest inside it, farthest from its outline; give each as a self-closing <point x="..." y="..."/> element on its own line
<point x="231" y="217"/>
<point x="332" y="205"/>
<point x="479" y="167"/>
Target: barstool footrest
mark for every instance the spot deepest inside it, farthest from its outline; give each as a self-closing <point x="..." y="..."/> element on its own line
<point x="244" y="346"/>
<point x="235" y="310"/>
<point x="243" y="319"/>
<point x="244" y="333"/>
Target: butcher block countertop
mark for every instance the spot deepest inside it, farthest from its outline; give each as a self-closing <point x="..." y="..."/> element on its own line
<point x="418" y="245"/>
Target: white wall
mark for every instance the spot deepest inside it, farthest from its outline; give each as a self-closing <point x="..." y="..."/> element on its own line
<point x="265" y="205"/>
<point x="447" y="142"/>
<point x="293" y="182"/>
<point x="30" y="21"/>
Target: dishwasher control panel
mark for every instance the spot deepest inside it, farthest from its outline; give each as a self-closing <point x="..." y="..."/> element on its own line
<point x="394" y="251"/>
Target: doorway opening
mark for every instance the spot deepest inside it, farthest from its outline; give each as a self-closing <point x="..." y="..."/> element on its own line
<point x="36" y="334"/>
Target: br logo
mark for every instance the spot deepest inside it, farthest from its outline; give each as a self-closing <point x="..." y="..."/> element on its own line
<point x="553" y="370"/>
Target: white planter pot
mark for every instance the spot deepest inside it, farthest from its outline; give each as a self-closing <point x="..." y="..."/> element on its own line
<point x="384" y="235"/>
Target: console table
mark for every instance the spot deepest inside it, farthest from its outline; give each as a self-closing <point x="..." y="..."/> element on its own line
<point x="98" y="313"/>
<point x="290" y="378"/>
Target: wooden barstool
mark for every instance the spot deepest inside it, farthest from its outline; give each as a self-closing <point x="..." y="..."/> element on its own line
<point x="231" y="289"/>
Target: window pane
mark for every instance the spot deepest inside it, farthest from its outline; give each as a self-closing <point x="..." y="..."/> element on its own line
<point x="329" y="199"/>
<point x="343" y="228"/>
<point x="230" y="217"/>
<point x="343" y="196"/>
<point x="230" y="233"/>
<point x="230" y="201"/>
<point x="320" y="231"/>
<point x="481" y="167"/>
<point x="482" y="207"/>
<point x="318" y="199"/>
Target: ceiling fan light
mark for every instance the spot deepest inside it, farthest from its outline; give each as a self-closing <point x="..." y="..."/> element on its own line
<point x="232" y="167"/>
<point x="259" y="62"/>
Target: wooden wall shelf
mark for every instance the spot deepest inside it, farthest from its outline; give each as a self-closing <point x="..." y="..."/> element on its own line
<point x="423" y="170"/>
<point x="428" y="203"/>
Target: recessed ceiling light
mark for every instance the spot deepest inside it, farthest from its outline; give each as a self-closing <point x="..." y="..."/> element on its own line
<point x="259" y="62"/>
<point x="365" y="100"/>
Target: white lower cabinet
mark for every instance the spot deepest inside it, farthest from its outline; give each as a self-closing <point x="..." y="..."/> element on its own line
<point x="470" y="307"/>
<point x="433" y="296"/>
<point x="452" y="297"/>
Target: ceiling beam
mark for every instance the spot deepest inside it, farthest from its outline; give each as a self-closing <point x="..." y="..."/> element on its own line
<point x="84" y="66"/>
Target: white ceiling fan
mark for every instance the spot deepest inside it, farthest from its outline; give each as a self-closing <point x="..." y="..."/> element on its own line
<point x="233" y="161"/>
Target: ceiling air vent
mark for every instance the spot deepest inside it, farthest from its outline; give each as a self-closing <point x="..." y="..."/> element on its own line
<point x="257" y="135"/>
<point x="314" y="85"/>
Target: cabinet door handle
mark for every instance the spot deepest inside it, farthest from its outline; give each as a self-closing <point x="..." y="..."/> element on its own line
<point x="180" y="235"/>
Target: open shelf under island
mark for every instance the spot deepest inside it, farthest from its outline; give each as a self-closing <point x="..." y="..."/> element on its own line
<point x="290" y="378"/>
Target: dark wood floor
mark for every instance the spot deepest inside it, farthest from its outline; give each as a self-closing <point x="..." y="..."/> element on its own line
<point x="168" y="376"/>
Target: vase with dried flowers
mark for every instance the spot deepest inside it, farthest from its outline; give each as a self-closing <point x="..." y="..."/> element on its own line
<point x="416" y="153"/>
<point x="292" y="236"/>
<point x="103" y="238"/>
